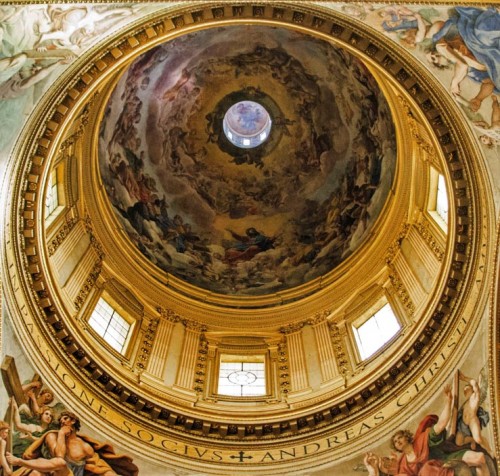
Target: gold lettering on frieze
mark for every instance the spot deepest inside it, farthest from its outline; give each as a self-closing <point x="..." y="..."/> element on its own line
<point x="162" y="441"/>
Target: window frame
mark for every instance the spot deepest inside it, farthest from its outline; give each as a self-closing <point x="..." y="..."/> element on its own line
<point x="58" y="173"/>
<point x="242" y="359"/>
<point x="130" y="338"/>
<point x="363" y="319"/>
<point x="260" y="352"/>
<point x="435" y="177"/>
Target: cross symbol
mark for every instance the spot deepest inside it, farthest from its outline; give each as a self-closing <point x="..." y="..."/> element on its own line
<point x="241" y="457"/>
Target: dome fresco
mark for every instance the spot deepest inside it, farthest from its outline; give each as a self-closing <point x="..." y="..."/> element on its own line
<point x="247" y="221"/>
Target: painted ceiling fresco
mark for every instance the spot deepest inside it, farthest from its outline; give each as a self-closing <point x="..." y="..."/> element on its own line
<point x="236" y="220"/>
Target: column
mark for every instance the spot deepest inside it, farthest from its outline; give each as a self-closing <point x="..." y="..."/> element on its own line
<point x="296" y="360"/>
<point x="189" y="356"/>
<point x="328" y="363"/>
<point x="159" y="353"/>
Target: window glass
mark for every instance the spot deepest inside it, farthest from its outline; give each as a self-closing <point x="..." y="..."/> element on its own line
<point x="376" y="331"/>
<point x="52" y="197"/>
<point x="442" y="199"/>
<point x="112" y="327"/>
<point x="242" y="379"/>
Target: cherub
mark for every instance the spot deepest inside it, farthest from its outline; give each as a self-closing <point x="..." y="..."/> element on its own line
<point x="471" y="416"/>
<point x="36" y="402"/>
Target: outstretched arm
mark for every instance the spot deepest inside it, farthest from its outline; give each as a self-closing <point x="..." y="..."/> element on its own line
<point x="4" y="464"/>
<point x="421" y="28"/>
<point x="32" y="385"/>
<point x="39" y="464"/>
<point x="444" y="418"/>
<point x="17" y="418"/>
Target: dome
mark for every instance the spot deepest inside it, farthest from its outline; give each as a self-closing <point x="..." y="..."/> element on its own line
<point x="295" y="197"/>
<point x="214" y="308"/>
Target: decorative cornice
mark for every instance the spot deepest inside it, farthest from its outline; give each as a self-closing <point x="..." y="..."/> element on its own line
<point x="421" y="138"/>
<point x="425" y="232"/>
<point x="82" y="123"/>
<point x="395" y="247"/>
<point x="292" y="328"/>
<point x="319" y="317"/>
<point x="194" y="325"/>
<point x="147" y="344"/>
<point x="88" y="285"/>
<point x="62" y="234"/>
<point x="168" y="314"/>
<point x="339" y="348"/>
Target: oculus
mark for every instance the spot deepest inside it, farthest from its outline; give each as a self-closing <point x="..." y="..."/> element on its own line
<point x="247" y="124"/>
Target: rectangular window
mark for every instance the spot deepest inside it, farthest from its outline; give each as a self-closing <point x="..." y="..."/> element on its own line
<point x="438" y="204"/>
<point x="376" y="331"/>
<point x="112" y="327"/>
<point x="52" y="197"/>
<point x="243" y="378"/>
<point x="442" y="199"/>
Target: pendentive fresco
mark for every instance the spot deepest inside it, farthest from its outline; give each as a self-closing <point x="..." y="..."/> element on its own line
<point x="37" y="42"/>
<point x="40" y="434"/>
